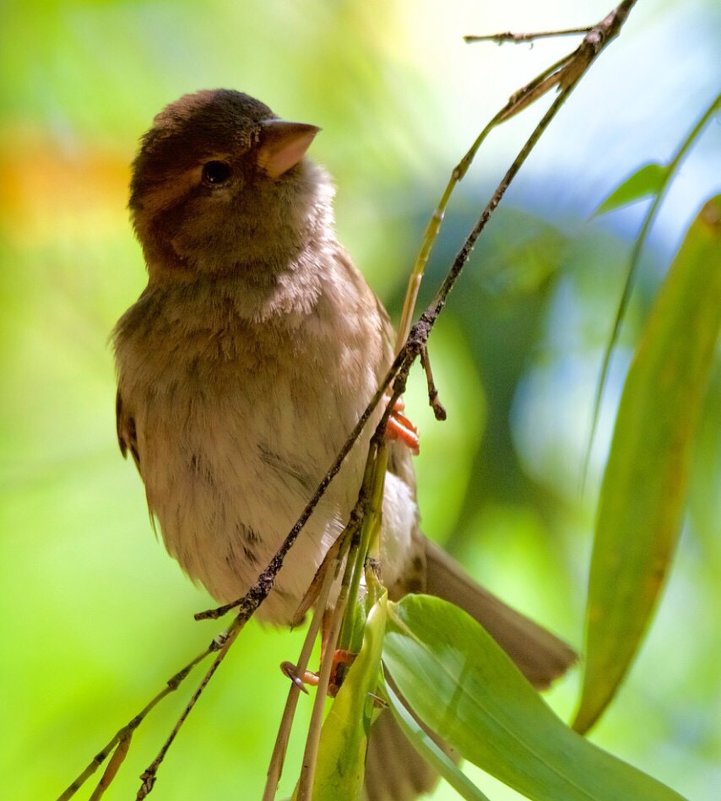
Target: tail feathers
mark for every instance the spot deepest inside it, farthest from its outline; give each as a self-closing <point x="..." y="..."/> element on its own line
<point x="539" y="655"/>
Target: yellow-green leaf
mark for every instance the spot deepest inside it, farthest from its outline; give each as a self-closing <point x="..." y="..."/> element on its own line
<point x="644" y="486"/>
<point x="341" y="756"/>
<point x="462" y="685"/>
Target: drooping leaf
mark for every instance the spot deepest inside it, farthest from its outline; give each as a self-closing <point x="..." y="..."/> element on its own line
<point x="341" y="755"/>
<point x="644" y="487"/>
<point x="647" y="180"/>
<point x="463" y="686"/>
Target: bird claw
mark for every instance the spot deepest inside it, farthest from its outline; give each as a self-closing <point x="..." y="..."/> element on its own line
<point x="342" y="660"/>
<point x="291" y="671"/>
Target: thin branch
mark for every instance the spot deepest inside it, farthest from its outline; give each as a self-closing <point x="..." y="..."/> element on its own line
<point x="564" y="74"/>
<point x="439" y="410"/>
<point x="593" y="44"/>
<point x="275" y="767"/>
<point x="126" y="731"/>
<point x="517" y="38"/>
<point x="149" y="774"/>
<point x="310" y="755"/>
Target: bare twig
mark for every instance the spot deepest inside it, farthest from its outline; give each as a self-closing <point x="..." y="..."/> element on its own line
<point x="517" y="38"/>
<point x="564" y="74"/>
<point x="568" y="76"/>
<point x="149" y="774"/>
<point x="275" y="768"/>
<point x="310" y="755"/>
<point x="126" y="731"/>
<point x="438" y="408"/>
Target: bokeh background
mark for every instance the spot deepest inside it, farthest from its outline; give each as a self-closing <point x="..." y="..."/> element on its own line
<point x="95" y="615"/>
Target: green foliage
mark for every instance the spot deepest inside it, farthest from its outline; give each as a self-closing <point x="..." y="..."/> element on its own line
<point x="462" y="685"/>
<point x="644" y="489"/>
<point x="647" y="180"/>
<point x="96" y="616"/>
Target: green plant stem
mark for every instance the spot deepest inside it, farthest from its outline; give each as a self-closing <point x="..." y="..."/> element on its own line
<point x="376" y="465"/>
<point x="310" y="755"/>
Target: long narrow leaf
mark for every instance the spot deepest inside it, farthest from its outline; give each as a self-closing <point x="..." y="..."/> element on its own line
<point x="644" y="487"/>
<point x="463" y="686"/>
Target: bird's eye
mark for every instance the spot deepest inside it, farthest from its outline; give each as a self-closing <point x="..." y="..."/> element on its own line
<point x="216" y="173"/>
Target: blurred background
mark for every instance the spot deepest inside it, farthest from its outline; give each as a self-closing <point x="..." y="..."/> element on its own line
<point x="95" y="615"/>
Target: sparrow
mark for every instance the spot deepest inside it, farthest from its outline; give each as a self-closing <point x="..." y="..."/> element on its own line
<point x="242" y="368"/>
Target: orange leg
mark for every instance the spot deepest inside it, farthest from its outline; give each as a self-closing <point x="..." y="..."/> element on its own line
<point x="400" y="428"/>
<point x="342" y="660"/>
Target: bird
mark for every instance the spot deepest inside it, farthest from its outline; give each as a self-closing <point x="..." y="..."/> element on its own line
<point x="242" y="368"/>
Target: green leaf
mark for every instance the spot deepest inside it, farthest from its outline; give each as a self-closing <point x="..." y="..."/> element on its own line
<point x="428" y="749"/>
<point x="644" y="486"/>
<point x="647" y="180"/>
<point x="343" y="740"/>
<point x="462" y="685"/>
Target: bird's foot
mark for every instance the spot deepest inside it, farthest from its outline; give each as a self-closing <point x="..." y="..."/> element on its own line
<point x="342" y="660"/>
<point x="400" y="428"/>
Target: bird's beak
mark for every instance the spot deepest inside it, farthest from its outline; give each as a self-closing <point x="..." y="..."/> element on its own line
<point x="283" y="144"/>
